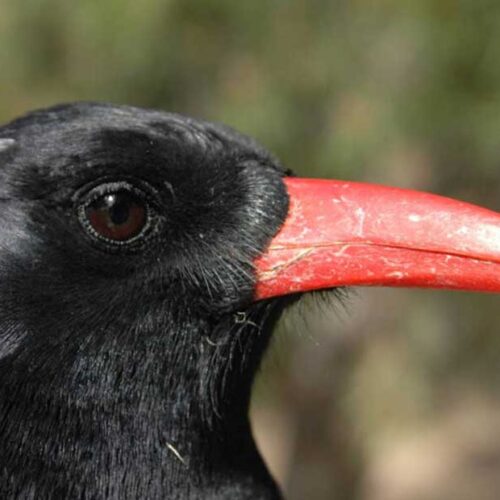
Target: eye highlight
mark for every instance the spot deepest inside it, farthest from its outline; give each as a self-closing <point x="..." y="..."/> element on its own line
<point x="115" y="213"/>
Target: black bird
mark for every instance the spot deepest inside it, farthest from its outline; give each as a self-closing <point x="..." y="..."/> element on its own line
<point x="139" y="286"/>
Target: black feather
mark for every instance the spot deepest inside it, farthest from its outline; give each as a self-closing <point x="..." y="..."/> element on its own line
<point x="125" y="371"/>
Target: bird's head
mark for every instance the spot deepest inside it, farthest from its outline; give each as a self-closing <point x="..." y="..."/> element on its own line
<point x="160" y="206"/>
<point x="136" y="248"/>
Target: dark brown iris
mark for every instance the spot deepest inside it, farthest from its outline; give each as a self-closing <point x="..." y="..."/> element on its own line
<point x="118" y="216"/>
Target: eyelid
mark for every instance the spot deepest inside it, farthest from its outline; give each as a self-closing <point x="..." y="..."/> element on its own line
<point x="105" y="185"/>
<point x="111" y="187"/>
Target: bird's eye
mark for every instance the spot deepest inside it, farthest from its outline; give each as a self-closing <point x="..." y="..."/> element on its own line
<point x="116" y="216"/>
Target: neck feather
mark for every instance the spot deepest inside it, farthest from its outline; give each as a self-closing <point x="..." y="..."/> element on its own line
<point x="149" y="413"/>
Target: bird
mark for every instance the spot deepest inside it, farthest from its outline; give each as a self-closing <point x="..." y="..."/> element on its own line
<point x="145" y="258"/>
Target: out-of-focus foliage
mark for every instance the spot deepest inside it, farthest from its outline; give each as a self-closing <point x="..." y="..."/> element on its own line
<point x="400" y="92"/>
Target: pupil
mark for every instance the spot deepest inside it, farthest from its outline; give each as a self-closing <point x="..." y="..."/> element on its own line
<point x="118" y="208"/>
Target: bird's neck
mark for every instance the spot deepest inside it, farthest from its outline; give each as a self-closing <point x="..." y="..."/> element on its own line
<point x="149" y="413"/>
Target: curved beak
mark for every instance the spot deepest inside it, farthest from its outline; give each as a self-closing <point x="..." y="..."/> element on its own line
<point x="345" y="233"/>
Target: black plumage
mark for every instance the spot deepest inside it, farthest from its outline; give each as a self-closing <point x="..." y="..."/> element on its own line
<point x="126" y="366"/>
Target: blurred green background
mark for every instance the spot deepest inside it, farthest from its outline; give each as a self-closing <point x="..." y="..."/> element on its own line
<point x="395" y="395"/>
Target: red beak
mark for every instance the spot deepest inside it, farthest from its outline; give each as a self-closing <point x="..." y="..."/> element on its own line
<point x="345" y="233"/>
